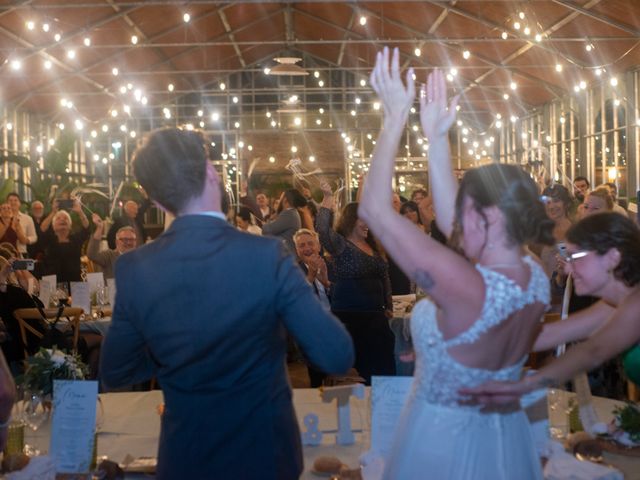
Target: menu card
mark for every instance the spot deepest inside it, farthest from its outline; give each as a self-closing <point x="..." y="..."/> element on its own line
<point x="95" y="281"/>
<point x="388" y="396"/>
<point x="81" y="295"/>
<point x="74" y="424"/>
<point x="47" y="288"/>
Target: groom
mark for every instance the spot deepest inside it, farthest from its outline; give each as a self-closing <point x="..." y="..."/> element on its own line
<point x="204" y="309"/>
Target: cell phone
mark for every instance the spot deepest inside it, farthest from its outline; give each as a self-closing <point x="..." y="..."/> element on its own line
<point x="24" y="264"/>
<point x="66" y="203"/>
<point x="562" y="249"/>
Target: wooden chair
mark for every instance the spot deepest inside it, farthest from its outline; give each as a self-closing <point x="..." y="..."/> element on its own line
<point x="50" y="314"/>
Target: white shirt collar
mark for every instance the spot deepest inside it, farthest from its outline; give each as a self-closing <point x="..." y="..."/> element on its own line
<point x="219" y="215"/>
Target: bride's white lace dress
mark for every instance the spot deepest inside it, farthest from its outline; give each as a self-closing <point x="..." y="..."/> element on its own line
<point x="437" y="438"/>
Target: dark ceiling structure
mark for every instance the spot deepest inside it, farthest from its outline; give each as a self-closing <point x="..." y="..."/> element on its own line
<point x="96" y="59"/>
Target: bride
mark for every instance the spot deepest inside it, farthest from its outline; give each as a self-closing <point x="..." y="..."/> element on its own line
<point x="484" y="306"/>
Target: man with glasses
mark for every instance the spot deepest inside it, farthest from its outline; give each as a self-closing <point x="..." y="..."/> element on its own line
<point x="125" y="241"/>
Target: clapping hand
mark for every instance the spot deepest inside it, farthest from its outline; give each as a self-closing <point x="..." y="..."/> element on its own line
<point x="77" y="206"/>
<point x="387" y="83"/>
<point x="435" y="117"/>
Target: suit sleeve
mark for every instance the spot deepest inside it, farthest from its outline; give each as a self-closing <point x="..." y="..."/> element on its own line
<point x="125" y="359"/>
<point x="324" y="340"/>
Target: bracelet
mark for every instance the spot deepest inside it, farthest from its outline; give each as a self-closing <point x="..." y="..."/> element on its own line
<point x="6" y="423"/>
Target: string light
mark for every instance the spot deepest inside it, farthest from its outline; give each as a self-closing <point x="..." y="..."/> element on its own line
<point x="115" y="72"/>
<point x="134" y="39"/>
<point x="466" y="54"/>
<point x="363" y="20"/>
<point x="613" y="81"/>
<point x="45" y="27"/>
<point x="30" y="25"/>
<point x="558" y="67"/>
<point x="16" y="64"/>
<point x="87" y="42"/>
<point x="57" y="37"/>
<point x="417" y="52"/>
<point x="186" y="18"/>
<point x="71" y="54"/>
<point x="504" y="35"/>
<point x="170" y="87"/>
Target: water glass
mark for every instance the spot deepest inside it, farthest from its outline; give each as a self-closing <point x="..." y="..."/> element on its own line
<point x="558" y="403"/>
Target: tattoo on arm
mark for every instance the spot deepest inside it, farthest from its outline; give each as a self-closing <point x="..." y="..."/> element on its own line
<point x="424" y="280"/>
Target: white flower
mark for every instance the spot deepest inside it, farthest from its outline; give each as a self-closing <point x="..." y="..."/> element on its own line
<point x="58" y="358"/>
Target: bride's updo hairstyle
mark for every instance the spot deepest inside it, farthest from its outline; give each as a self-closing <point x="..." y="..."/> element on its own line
<point x="514" y="192"/>
<point x="602" y="232"/>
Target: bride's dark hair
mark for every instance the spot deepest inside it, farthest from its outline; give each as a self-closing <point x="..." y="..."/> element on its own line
<point x="514" y="192"/>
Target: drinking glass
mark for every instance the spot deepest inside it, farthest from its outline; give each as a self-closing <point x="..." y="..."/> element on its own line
<point x="558" y="418"/>
<point x="35" y="412"/>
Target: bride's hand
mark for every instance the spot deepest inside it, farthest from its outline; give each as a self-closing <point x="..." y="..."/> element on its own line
<point x="387" y="83"/>
<point x="435" y="118"/>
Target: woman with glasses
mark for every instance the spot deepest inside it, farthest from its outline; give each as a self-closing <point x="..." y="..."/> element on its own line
<point x="603" y="256"/>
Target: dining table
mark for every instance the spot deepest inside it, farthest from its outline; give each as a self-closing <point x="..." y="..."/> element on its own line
<point x="130" y="428"/>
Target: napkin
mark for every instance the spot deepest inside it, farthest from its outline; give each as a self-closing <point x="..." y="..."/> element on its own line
<point x="39" y="468"/>
<point x="563" y="466"/>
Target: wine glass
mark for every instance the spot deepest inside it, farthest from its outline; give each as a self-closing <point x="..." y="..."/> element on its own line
<point x="102" y="299"/>
<point x="35" y="413"/>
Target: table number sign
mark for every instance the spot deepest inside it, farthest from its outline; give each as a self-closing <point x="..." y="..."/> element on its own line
<point x="388" y="396"/>
<point x="73" y="426"/>
<point x="47" y="288"/>
<point x="342" y="395"/>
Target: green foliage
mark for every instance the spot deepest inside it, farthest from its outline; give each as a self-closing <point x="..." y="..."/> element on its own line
<point x="17" y="159"/>
<point x="57" y="158"/>
<point x="6" y="187"/>
<point x="48" y="365"/>
<point x="628" y="418"/>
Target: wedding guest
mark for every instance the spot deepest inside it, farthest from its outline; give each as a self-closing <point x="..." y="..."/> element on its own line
<point x="580" y="188"/>
<point x="133" y="217"/>
<point x="26" y="222"/>
<point x="596" y="201"/>
<point x="288" y="220"/>
<point x="36" y="250"/>
<point x="11" y="230"/>
<point x="244" y="221"/>
<point x="314" y="267"/>
<point x="604" y="260"/>
<point x="361" y="293"/>
<point x="263" y="205"/>
<point x="106" y="259"/>
<point x="63" y="248"/>
<point x="483" y="307"/>
<point x="204" y="308"/>
<point x="613" y="191"/>
<point x="418" y="195"/>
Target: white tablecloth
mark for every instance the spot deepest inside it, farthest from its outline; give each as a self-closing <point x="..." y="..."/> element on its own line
<point x="132" y="426"/>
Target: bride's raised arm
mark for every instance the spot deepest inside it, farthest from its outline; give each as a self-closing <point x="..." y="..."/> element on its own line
<point x="433" y="267"/>
<point x="436" y="121"/>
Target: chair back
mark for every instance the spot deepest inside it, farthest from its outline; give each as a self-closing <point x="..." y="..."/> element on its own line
<point x="48" y="315"/>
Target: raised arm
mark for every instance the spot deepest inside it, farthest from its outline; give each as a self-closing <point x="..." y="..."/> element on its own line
<point x="46" y="223"/>
<point x="77" y="207"/>
<point x="436" y="120"/>
<point x="331" y="241"/>
<point x="433" y="267"/>
<point x="578" y="326"/>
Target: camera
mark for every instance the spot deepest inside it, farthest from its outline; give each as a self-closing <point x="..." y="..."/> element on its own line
<point x="24" y="264"/>
<point x="65" y="203"/>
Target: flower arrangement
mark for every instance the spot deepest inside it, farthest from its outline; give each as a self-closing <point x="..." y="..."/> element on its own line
<point x="48" y="365"/>
<point x="627" y="425"/>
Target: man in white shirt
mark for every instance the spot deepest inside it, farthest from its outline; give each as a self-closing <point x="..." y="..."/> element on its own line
<point x="26" y="222"/>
